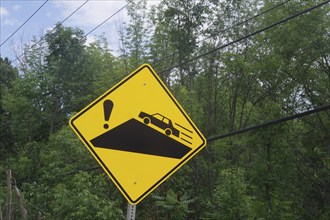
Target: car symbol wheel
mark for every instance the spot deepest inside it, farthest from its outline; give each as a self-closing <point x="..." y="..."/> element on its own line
<point x="146" y="120"/>
<point x="168" y="131"/>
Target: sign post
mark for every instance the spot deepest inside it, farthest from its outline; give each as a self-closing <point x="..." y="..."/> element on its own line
<point x="138" y="133"/>
<point x="131" y="209"/>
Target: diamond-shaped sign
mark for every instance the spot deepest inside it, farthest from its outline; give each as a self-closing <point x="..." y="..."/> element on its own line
<point x="138" y="133"/>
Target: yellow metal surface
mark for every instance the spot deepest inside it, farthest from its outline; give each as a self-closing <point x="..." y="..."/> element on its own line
<point x="136" y="174"/>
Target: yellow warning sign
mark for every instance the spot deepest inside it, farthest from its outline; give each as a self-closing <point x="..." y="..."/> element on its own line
<point x="138" y="133"/>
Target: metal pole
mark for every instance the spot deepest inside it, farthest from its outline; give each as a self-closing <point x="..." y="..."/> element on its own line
<point x="131" y="212"/>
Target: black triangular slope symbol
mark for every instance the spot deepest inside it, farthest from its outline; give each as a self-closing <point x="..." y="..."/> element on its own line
<point x="134" y="136"/>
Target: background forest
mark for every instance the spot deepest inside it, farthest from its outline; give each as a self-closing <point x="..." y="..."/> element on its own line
<point x="227" y="70"/>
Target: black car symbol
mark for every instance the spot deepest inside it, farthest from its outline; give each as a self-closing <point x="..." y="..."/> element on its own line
<point x="161" y="122"/>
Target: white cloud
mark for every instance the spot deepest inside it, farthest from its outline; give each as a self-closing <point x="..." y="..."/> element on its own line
<point x="91" y="14"/>
<point x="90" y="39"/>
<point x="94" y="12"/>
<point x="3" y="11"/>
<point x="49" y="14"/>
<point x="10" y="22"/>
<point x="17" y="7"/>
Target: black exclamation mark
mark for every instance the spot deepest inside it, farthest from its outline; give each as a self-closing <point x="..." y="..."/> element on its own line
<point x="107" y="106"/>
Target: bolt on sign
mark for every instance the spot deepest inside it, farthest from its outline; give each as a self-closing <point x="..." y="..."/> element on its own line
<point x="138" y="133"/>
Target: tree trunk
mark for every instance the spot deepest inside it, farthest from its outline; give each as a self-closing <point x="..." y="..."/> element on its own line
<point x="268" y="185"/>
<point x="1" y="213"/>
<point x="9" y="196"/>
<point x="20" y="200"/>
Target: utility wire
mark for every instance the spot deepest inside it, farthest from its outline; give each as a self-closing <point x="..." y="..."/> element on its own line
<point x="23" y="23"/>
<point x="246" y="36"/>
<point x="59" y="24"/>
<point x="245" y="21"/>
<point x="242" y="38"/>
<point x="221" y="47"/>
<point x="72" y="14"/>
<point x="237" y="24"/>
<point x="292" y="117"/>
<point x="231" y="27"/>
<point x="117" y="79"/>
<point x="108" y="18"/>
<point x="90" y="30"/>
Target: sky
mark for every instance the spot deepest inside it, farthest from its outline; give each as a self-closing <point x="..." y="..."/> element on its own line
<point x="14" y="13"/>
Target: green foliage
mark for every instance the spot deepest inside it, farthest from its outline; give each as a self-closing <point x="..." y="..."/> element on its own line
<point x="173" y="205"/>
<point x="134" y="36"/>
<point x="279" y="172"/>
<point x="62" y="190"/>
<point x="231" y="199"/>
<point x="71" y="78"/>
<point x="7" y="75"/>
<point x="83" y="199"/>
<point x="25" y="108"/>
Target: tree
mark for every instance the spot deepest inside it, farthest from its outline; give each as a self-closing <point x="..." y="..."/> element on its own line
<point x="70" y="80"/>
<point x="134" y="36"/>
<point x="231" y="199"/>
<point x="279" y="172"/>
<point x="7" y="75"/>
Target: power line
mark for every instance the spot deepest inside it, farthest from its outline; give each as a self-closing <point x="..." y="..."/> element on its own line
<point x="247" y="20"/>
<point x="90" y="30"/>
<point x="266" y="28"/>
<point x="23" y="23"/>
<point x="108" y="18"/>
<point x="237" y="24"/>
<point x="231" y="27"/>
<point x="84" y="36"/>
<point x="247" y="36"/>
<point x="292" y="117"/>
<point x="59" y="24"/>
<point x="72" y="13"/>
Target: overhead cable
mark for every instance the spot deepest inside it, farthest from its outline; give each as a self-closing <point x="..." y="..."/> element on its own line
<point x="247" y="36"/>
<point x="281" y="120"/>
<point x="59" y="24"/>
<point x="245" y="21"/>
<point x="23" y="23"/>
<point x="243" y="38"/>
<point x="108" y="18"/>
<point x="231" y="27"/>
<point x="94" y="27"/>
